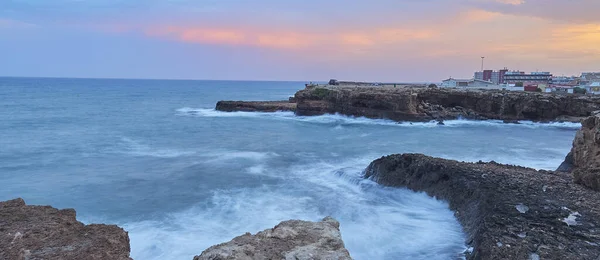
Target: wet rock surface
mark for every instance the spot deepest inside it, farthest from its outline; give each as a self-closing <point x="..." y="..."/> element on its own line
<point x="292" y="239"/>
<point x="256" y="106"/>
<point x="42" y="232"/>
<point x="508" y="212"/>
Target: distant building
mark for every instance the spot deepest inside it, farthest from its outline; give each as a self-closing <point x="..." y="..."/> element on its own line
<point x="513" y="77"/>
<point x="564" y="81"/>
<point x="469" y="83"/>
<point x="589" y="78"/>
<point x="593" y="88"/>
<point x="496" y="77"/>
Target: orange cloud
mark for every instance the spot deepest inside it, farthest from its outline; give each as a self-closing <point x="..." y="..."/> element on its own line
<point x="287" y="39"/>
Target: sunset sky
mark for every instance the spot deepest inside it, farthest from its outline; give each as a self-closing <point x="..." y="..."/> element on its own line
<point x="379" y="40"/>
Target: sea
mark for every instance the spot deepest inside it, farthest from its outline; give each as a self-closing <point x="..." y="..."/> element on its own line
<point x="154" y="157"/>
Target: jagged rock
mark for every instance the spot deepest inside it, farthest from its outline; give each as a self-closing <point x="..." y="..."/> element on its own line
<point x="292" y="239"/>
<point x="256" y="106"/>
<point x="584" y="158"/>
<point x="43" y="232"/>
<point x="508" y="212"/>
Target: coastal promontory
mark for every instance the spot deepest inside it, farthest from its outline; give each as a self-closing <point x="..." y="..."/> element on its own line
<point x="420" y="103"/>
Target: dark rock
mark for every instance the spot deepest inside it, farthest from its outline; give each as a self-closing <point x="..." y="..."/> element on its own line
<point x="256" y="106"/>
<point x="43" y="232"/>
<point x="567" y="164"/>
<point x="440" y="122"/>
<point x="292" y="239"/>
<point x="508" y="212"/>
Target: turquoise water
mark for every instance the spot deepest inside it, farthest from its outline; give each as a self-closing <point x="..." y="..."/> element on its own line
<point x="154" y="157"/>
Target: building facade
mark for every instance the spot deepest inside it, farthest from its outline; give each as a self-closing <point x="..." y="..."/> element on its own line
<point x="514" y="77"/>
<point x="469" y="83"/>
<point x="496" y="77"/>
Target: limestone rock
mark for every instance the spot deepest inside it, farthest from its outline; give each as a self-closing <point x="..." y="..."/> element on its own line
<point x="43" y="232"/>
<point x="508" y="212"/>
<point x="292" y="239"/>
<point x="584" y="158"/>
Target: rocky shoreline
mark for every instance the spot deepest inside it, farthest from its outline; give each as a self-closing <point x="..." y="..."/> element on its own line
<point x="507" y="212"/>
<point x="427" y="104"/>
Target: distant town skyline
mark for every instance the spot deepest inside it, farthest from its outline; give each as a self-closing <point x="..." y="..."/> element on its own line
<point x="385" y="40"/>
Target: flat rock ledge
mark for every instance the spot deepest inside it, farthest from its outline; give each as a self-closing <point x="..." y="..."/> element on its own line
<point x="255" y="106"/>
<point x="290" y="240"/>
<point x="507" y="212"/>
<point x="43" y="232"/>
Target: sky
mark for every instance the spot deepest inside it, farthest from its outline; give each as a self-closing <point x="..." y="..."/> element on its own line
<point x="377" y="40"/>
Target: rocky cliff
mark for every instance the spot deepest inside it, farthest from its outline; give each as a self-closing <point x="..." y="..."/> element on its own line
<point x="584" y="159"/>
<point x="508" y="212"/>
<point x="43" y="232"/>
<point x="424" y="104"/>
<point x="293" y="240"/>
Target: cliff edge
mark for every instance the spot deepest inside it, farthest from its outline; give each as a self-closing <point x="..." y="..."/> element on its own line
<point x="43" y="232"/>
<point x="426" y="104"/>
<point x="508" y="212"/>
<point x="292" y="239"/>
<point x="412" y="103"/>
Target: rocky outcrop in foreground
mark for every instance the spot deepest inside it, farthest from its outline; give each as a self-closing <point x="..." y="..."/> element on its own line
<point x="426" y="104"/>
<point x="43" y="232"/>
<point x="584" y="159"/>
<point x="508" y="212"/>
<point x="292" y="239"/>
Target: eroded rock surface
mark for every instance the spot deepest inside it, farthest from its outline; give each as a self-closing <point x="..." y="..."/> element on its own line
<point x="43" y="232"/>
<point x="508" y="212"/>
<point x="256" y="106"/>
<point x="424" y="104"/>
<point x="584" y="159"/>
<point x="292" y="239"/>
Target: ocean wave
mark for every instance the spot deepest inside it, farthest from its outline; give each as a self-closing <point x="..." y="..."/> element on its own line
<point x="342" y="120"/>
<point x="138" y="148"/>
<point x="371" y="216"/>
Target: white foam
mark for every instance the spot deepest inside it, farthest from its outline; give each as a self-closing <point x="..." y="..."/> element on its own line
<point x="340" y="120"/>
<point x="371" y="216"/>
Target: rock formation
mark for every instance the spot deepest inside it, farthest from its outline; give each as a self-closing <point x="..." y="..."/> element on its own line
<point x="43" y="232"/>
<point x="508" y="212"/>
<point x="292" y="239"/>
<point x="256" y="106"/>
<point x="426" y="104"/>
<point x="584" y="159"/>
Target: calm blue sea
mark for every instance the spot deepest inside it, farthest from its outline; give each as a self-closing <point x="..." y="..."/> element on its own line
<point x="154" y="157"/>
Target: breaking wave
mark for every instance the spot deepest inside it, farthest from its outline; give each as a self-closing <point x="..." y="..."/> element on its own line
<point x="341" y="120"/>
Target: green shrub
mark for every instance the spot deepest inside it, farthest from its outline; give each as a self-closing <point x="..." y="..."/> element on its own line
<point x="321" y="92"/>
<point x="519" y="84"/>
<point x="578" y="90"/>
